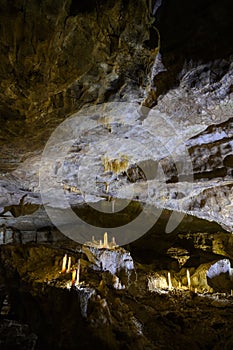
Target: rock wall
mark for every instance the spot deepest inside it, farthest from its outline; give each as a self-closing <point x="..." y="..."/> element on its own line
<point x="58" y="56"/>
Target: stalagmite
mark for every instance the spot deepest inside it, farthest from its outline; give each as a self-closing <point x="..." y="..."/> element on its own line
<point x="64" y="261"/>
<point x="105" y="240"/>
<point x="188" y="278"/>
<point x="74" y="273"/>
<point x="69" y="265"/>
<point x="113" y="242"/>
<point x="169" y="281"/>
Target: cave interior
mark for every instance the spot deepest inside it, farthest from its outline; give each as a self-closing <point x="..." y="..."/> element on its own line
<point x="116" y="170"/>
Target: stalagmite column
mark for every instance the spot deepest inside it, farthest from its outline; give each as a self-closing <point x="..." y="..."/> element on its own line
<point x="69" y="265"/>
<point x="64" y="261"/>
<point x="188" y="278"/>
<point x="105" y="240"/>
<point x="74" y="273"/>
<point x="113" y="241"/>
<point x="169" y="281"/>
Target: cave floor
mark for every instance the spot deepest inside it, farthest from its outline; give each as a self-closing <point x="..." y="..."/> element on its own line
<point x="95" y="314"/>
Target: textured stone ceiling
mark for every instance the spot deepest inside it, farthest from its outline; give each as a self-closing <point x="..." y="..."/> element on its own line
<point x="58" y="58"/>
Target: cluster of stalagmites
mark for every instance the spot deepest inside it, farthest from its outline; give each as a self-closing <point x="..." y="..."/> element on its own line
<point x="103" y="244"/>
<point x="104" y="257"/>
<point x="108" y="257"/>
<point x="75" y="272"/>
<point x="216" y="276"/>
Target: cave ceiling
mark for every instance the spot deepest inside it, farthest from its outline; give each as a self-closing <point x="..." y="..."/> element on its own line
<point x="135" y="68"/>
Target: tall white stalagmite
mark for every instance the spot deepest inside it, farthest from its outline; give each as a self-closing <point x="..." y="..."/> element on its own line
<point x="169" y="281"/>
<point x="69" y="265"/>
<point x="105" y="240"/>
<point x="188" y="279"/>
<point x="64" y="262"/>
